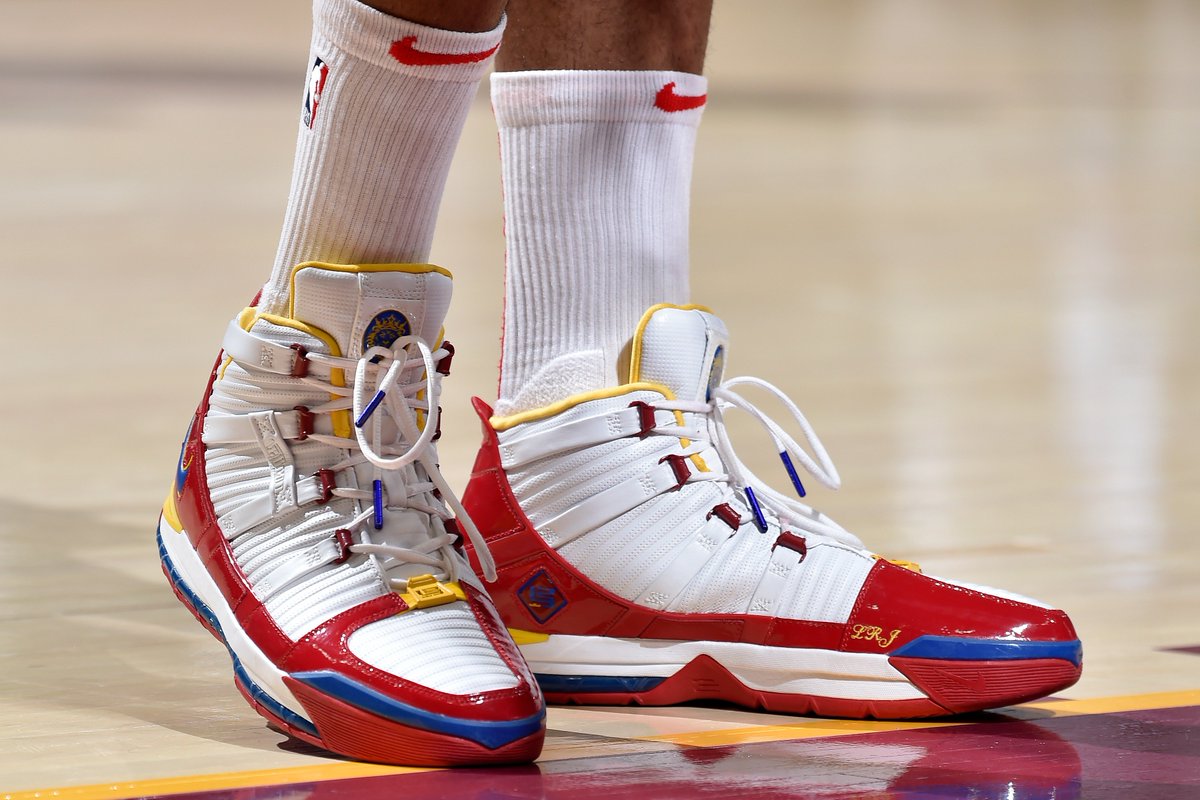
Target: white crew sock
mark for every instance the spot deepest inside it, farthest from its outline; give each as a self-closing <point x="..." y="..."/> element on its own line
<point x="597" y="169"/>
<point x="390" y="98"/>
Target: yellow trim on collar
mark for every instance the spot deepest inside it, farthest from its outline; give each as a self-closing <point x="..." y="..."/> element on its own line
<point x="635" y="361"/>
<point x="414" y="269"/>
<point x="246" y="317"/>
<point x="512" y="421"/>
<point x="635" y="353"/>
<point x="504" y="423"/>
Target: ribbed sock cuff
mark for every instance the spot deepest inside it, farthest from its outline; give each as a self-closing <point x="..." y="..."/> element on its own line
<point x="560" y="96"/>
<point x="397" y="44"/>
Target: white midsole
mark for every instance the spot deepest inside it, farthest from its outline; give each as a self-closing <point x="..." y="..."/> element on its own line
<point x="787" y="670"/>
<point x="256" y="664"/>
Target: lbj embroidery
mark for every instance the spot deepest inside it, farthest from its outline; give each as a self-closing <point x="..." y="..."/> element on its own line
<point x="874" y="633"/>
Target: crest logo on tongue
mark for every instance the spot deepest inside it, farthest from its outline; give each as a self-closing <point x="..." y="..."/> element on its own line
<point x="716" y="372"/>
<point x="384" y="329"/>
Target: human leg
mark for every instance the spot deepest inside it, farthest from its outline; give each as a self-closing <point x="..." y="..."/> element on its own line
<point x="597" y="161"/>
<point x="309" y="527"/>
<point x="641" y="561"/>
<point x="385" y="103"/>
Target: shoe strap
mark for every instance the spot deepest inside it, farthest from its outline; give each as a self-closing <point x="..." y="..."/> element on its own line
<point x="284" y="493"/>
<point x="586" y="432"/>
<point x="609" y="504"/>
<point x="267" y="504"/>
<point x="251" y="350"/>
<point x="689" y="559"/>
<point x="238" y="428"/>
<point x="296" y="566"/>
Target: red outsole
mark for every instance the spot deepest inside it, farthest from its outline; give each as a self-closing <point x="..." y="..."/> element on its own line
<point x="354" y="733"/>
<point x="703" y="679"/>
<point x="961" y="686"/>
<point x="351" y="731"/>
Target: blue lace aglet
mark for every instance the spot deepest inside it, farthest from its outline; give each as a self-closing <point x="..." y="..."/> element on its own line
<point x="760" y="521"/>
<point x="378" y="491"/>
<point x="370" y="409"/>
<point x="791" y="471"/>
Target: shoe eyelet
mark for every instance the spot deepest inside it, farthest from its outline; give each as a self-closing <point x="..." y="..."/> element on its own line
<point x="443" y="365"/>
<point x="300" y="365"/>
<point x="646" y="419"/>
<point x="793" y="542"/>
<point x="328" y="484"/>
<point x="727" y="514"/>
<point x="344" y="539"/>
<point x="307" y="421"/>
<point x="679" y="467"/>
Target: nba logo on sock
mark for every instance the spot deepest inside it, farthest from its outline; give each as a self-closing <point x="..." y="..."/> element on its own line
<point x="312" y="97"/>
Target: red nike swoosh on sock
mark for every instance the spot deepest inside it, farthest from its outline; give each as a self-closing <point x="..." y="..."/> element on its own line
<point x="405" y="51"/>
<point x="668" y="101"/>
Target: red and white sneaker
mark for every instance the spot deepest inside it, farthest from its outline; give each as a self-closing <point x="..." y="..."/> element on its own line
<point x="308" y="530"/>
<point x="641" y="562"/>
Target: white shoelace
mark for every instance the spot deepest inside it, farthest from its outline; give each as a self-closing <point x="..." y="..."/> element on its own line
<point x="376" y="388"/>
<point x="762" y="499"/>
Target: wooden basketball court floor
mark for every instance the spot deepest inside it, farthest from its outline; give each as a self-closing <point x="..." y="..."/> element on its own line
<point x="963" y="236"/>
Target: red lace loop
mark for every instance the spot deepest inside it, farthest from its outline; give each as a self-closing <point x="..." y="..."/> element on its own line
<point x="307" y="421"/>
<point x="679" y="467"/>
<point x="344" y="540"/>
<point x="300" y="365"/>
<point x="792" y="542"/>
<point x="443" y="364"/>
<point x="727" y="514"/>
<point x="325" y="476"/>
<point x="645" y="418"/>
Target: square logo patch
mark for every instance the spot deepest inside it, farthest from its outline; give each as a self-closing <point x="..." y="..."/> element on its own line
<point x="541" y="596"/>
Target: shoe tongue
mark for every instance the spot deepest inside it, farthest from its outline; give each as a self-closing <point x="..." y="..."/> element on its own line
<point x="362" y="306"/>
<point x="682" y="348"/>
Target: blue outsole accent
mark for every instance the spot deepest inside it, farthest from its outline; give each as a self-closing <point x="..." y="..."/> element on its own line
<point x="956" y="648"/>
<point x="570" y="684"/>
<point x="489" y="733"/>
<point x="255" y="691"/>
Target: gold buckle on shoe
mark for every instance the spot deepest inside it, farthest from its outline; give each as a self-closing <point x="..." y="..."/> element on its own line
<point x="426" y="591"/>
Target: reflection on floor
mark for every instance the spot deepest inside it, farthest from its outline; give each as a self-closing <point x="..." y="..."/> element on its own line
<point x="961" y="235"/>
<point x="1153" y="754"/>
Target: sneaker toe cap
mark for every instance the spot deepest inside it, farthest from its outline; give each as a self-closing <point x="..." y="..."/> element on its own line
<point x="897" y="606"/>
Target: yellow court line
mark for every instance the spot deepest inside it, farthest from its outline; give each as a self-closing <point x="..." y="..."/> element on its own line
<point x="213" y="782"/>
<point x="1113" y="705"/>
<point x="801" y="729"/>
<point x="816" y="728"/>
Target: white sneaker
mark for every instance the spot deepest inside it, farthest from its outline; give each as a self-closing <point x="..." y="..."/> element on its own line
<point x="309" y="530"/>
<point x="641" y="562"/>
